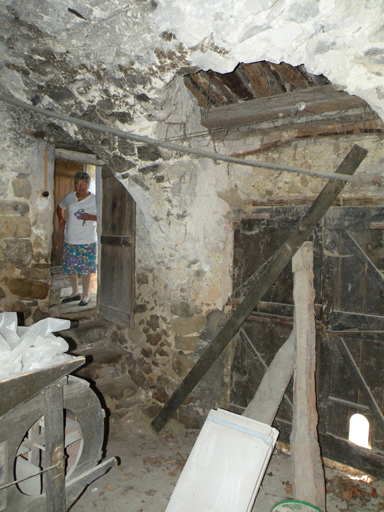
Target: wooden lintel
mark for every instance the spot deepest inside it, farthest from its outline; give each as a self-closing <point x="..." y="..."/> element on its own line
<point x="75" y="156"/>
<point x="272" y="271"/>
<point x="303" y="102"/>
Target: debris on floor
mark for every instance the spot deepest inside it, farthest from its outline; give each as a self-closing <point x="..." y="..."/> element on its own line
<point x="150" y="465"/>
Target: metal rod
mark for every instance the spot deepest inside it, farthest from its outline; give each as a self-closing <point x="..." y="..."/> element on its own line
<point x="15" y="482"/>
<point x="183" y="149"/>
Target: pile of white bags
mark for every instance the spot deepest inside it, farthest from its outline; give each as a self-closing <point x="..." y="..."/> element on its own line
<point x="25" y="349"/>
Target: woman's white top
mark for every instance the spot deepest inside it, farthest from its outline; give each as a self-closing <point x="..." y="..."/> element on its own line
<point x="77" y="231"/>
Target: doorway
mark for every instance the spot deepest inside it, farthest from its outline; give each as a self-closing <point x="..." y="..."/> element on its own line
<point x="113" y="288"/>
<point x="64" y="173"/>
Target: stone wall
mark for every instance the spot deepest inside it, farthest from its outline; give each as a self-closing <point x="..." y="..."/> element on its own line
<point x="25" y="234"/>
<point x="186" y="210"/>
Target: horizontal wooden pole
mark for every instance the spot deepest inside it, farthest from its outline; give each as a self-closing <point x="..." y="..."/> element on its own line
<point x="272" y="271"/>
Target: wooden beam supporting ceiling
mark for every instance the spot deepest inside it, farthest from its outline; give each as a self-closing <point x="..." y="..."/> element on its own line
<point x="296" y="106"/>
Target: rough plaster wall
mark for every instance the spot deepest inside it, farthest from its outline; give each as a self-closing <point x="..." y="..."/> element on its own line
<point x="183" y="263"/>
<point x="340" y="39"/>
<point x="88" y="56"/>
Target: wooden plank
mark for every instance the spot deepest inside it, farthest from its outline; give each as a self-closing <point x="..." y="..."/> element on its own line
<point x="292" y="76"/>
<point x="125" y="241"/>
<point x="263" y="78"/>
<point x="54" y="479"/>
<point x="75" y="486"/>
<point x="265" y="404"/>
<point x="340" y="322"/>
<point x="317" y="100"/>
<point x="280" y="131"/>
<point x="366" y="392"/>
<point x="354" y="456"/>
<point x="262" y="285"/>
<point x="308" y="472"/>
<point x="17" y="389"/>
<point x="343" y="201"/>
<point x="340" y="450"/>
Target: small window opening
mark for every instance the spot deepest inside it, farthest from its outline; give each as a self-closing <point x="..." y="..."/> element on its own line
<point x="359" y="431"/>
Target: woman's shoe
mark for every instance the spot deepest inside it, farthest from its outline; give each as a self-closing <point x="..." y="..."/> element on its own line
<point x="83" y="302"/>
<point x="71" y="299"/>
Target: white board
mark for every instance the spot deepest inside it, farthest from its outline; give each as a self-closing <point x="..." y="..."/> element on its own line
<point x="226" y="466"/>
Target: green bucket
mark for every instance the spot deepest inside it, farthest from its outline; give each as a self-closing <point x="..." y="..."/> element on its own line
<point x="294" y="505"/>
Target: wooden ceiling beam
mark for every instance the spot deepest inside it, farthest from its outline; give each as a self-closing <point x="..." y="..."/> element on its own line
<point x="300" y="103"/>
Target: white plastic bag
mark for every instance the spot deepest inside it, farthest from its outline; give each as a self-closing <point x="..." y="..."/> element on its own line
<point x="31" y="348"/>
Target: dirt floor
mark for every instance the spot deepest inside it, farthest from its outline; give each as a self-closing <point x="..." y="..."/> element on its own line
<point x="150" y="464"/>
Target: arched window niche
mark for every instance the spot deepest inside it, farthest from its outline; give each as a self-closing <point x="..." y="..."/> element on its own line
<point x="359" y="431"/>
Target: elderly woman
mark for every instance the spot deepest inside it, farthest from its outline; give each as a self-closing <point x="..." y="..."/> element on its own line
<point x="79" y="252"/>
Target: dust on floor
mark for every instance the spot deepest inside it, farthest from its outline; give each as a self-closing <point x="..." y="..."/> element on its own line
<point x="151" y="463"/>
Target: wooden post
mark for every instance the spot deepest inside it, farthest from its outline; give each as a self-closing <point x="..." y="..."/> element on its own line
<point x="308" y="472"/>
<point x="54" y="481"/>
<point x="272" y="271"/>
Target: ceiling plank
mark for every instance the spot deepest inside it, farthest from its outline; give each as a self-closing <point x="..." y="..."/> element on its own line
<point x="291" y="77"/>
<point x="263" y="79"/>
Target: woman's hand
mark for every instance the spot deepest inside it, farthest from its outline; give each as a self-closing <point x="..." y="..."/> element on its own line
<point x="62" y="224"/>
<point x="87" y="216"/>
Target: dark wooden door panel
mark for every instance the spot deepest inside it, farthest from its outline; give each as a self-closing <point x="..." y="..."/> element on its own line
<point x="349" y="303"/>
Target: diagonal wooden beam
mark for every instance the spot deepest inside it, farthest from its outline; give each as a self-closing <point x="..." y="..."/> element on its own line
<point x="360" y="255"/>
<point x="366" y="392"/>
<point x="266" y="402"/>
<point x="272" y="271"/>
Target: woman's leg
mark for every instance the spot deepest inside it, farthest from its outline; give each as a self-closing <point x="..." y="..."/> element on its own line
<point x="74" y="283"/>
<point x="86" y="279"/>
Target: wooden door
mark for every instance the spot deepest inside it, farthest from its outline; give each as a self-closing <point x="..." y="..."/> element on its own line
<point x="349" y="299"/>
<point x="352" y="353"/>
<point x="117" y="254"/>
<point x="65" y="171"/>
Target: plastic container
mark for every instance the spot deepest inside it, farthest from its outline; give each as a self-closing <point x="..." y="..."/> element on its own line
<point x="294" y="505"/>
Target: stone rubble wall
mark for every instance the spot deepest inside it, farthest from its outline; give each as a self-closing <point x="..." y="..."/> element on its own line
<point x="114" y="65"/>
<point x="25" y="234"/>
<point x="186" y="212"/>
